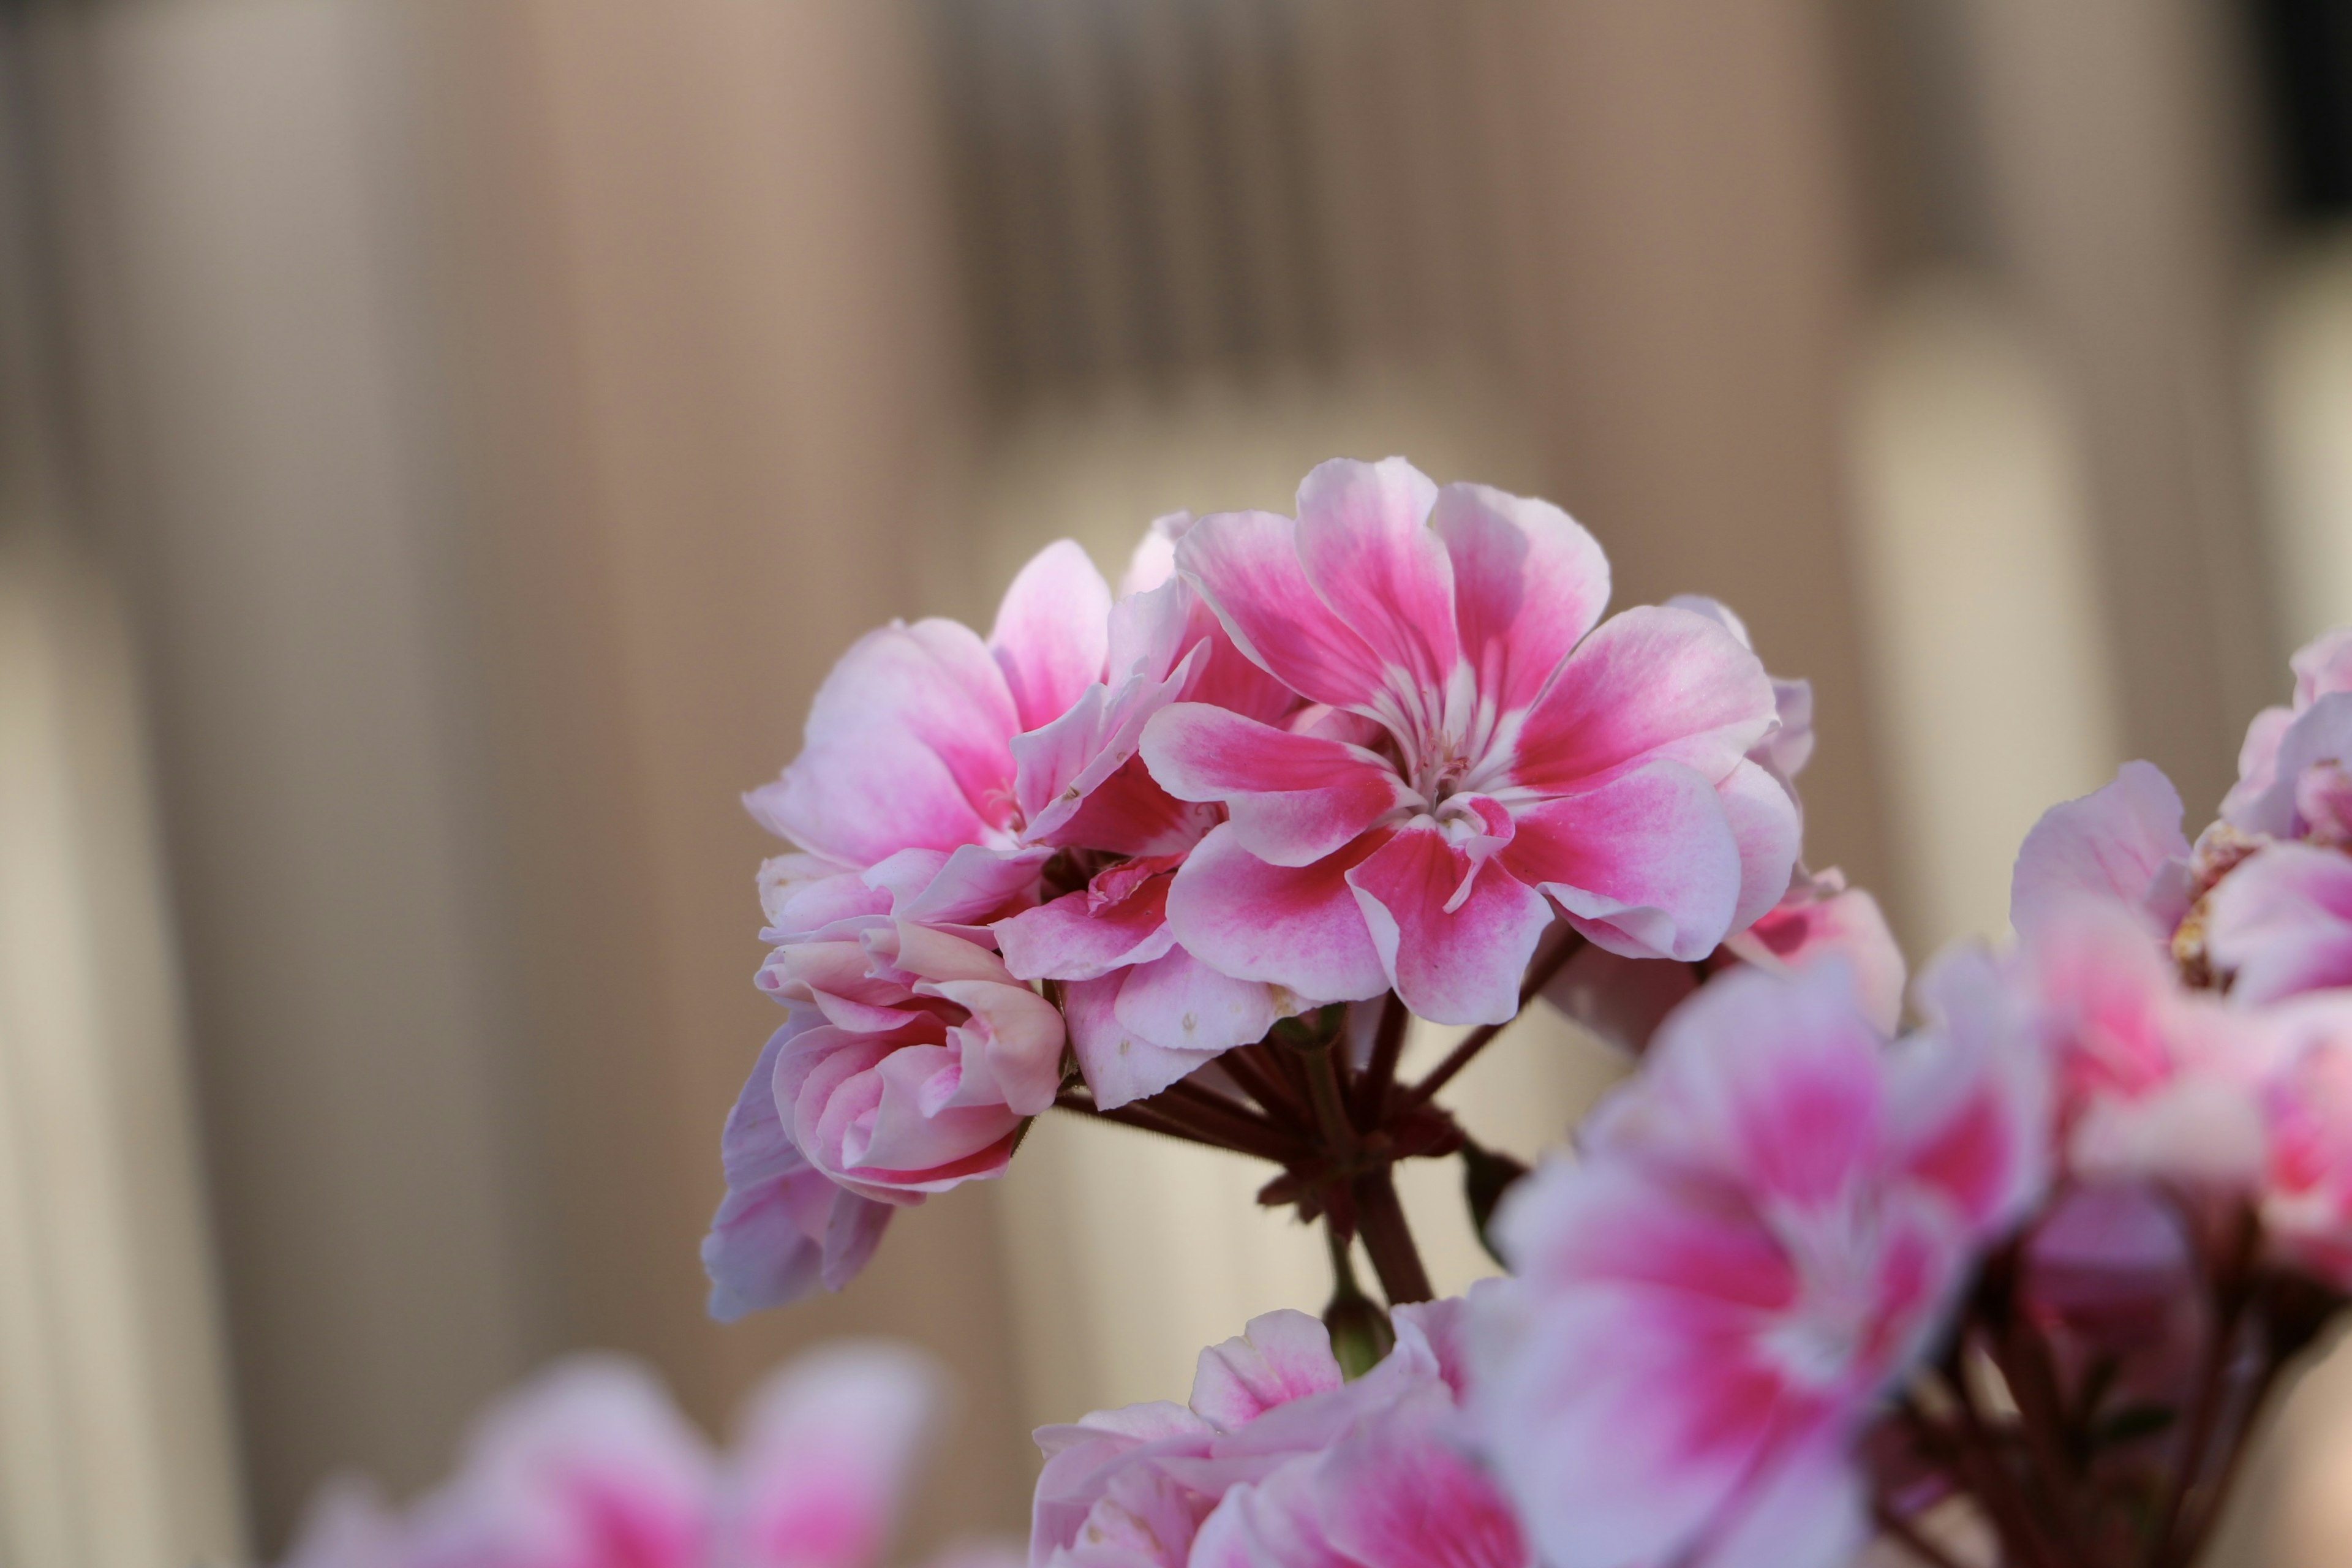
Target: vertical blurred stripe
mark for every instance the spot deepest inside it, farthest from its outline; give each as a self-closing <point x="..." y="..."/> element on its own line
<point x="115" y="1438"/>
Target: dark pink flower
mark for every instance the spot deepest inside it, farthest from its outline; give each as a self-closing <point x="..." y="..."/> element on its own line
<point x="1479" y="757"/>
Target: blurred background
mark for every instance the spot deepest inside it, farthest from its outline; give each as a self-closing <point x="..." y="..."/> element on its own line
<point x="442" y="443"/>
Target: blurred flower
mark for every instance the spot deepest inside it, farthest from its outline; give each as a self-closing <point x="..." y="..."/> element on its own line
<point x="590" y="1465"/>
<point x="1480" y="752"/>
<point x="2122" y="843"/>
<point x="2307" y="1198"/>
<point x="2322" y="669"/>
<point x="1278" y="1459"/>
<point x="1766" y="1230"/>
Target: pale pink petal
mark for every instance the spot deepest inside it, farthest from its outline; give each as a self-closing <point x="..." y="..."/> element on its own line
<point x="823" y="1465"/>
<point x="1181" y="1006"/>
<point x="1971" y="1100"/>
<point x="1297" y="928"/>
<point x="1154" y="561"/>
<point x="1119" y="1065"/>
<point x="2257" y="760"/>
<point x="2280" y="923"/>
<point x="906" y="744"/>
<point x="1528" y="583"/>
<point x="1022" y="1038"/>
<point x="1246" y="565"/>
<point x="1646" y="866"/>
<point x="1365" y="543"/>
<point x="1451" y="966"/>
<point x="971" y="885"/>
<point x="1401" y="1497"/>
<point x="1052" y="632"/>
<point x="1650" y="683"/>
<point x="2320" y="734"/>
<point x="1086" y="1460"/>
<point x="1807" y="1510"/>
<point x="1273" y="1523"/>
<point x="1823" y="918"/>
<point x="1764" y="823"/>
<point x="807" y="896"/>
<point x="2323" y="667"/>
<point x="2112" y="843"/>
<point x="1278" y="1357"/>
<point x="1293" y="798"/>
<point x="1077" y="938"/>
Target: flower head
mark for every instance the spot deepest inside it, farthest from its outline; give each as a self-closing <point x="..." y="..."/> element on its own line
<point x="1473" y="757"/>
<point x="1766" y="1229"/>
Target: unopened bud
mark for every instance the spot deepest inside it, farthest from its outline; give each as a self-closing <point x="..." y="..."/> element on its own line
<point x="1361" y="1334"/>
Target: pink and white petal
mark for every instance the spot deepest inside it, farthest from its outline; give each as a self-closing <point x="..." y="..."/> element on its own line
<point x="2257" y="760"/>
<point x="824" y="1464"/>
<point x="1278" y="1356"/>
<point x="1296" y="927"/>
<point x="1069" y="939"/>
<point x="1052" y="632"/>
<point x="1809" y="1509"/>
<point x="1365" y="542"/>
<point x="1118" y="1066"/>
<point x="1617" y="1435"/>
<point x="972" y="884"/>
<point x="1398" y="1496"/>
<point x="1971" y="1099"/>
<point x="1776" y="1081"/>
<point x="1461" y="965"/>
<point x="1646" y="864"/>
<point x="1528" y="583"/>
<point x="1649" y="683"/>
<point x="1150" y="630"/>
<point x="902" y="1136"/>
<point x="1181" y="1006"/>
<point x="1293" y="798"/>
<point x="1154" y="561"/>
<point x="1765" y="825"/>
<point x="2110" y="844"/>
<point x="1129" y="814"/>
<point x="2280" y="924"/>
<point x="1246" y="565"/>
<point x="860" y="799"/>
<point x="1622" y="1000"/>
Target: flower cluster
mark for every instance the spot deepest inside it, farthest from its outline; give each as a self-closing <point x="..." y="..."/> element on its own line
<point x="590" y="1465"/>
<point x="1191" y="857"/>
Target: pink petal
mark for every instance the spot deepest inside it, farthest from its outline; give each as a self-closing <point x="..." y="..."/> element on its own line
<point x="1972" y="1099"/>
<point x="1071" y="939"/>
<point x="1764" y="823"/>
<point x="1119" y="1066"/>
<point x="1246" y="565"/>
<point x="1528" y="583"/>
<point x="2320" y="734"/>
<point x="2113" y="843"/>
<point x="1650" y="683"/>
<point x="1404" y="1498"/>
<point x="1646" y="866"/>
<point x="1364" y="541"/>
<point x="1023" y="1037"/>
<point x="1052" y="632"/>
<point x="970" y="885"/>
<point x="1844" y="924"/>
<point x="1456" y="966"/>
<point x="908" y="744"/>
<point x="1179" y="1004"/>
<point x="1807" y="1510"/>
<point x="1293" y="798"/>
<point x="2257" y="760"/>
<point x="2280" y="923"/>
<point x="2323" y="667"/>
<point x="1278" y="1357"/>
<point x="1298" y="928"/>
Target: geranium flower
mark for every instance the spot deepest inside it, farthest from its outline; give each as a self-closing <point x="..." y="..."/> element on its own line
<point x="590" y="1465"/>
<point x="2121" y="843"/>
<point x="1273" y="1429"/>
<point x="1766" y="1230"/>
<point x="1481" y="756"/>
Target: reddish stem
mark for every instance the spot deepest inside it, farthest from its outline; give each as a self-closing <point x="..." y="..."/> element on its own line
<point x="1380" y="1072"/>
<point x="1479" y="1038"/>
<point x="1379" y="1219"/>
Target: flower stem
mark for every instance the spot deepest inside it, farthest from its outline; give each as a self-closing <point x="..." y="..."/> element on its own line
<point x="1379" y="1217"/>
<point x="1373" y="1088"/>
<point x="1540" y="975"/>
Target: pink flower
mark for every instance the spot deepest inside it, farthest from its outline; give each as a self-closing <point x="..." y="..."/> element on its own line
<point x="1766" y="1229"/>
<point x="1481" y="756"/>
<point x="2121" y="843"/>
<point x="590" y="1465"/>
<point x="2280" y="923"/>
<point x="1143" y="1010"/>
<point x="1132" y="1487"/>
<point x="929" y="1056"/>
